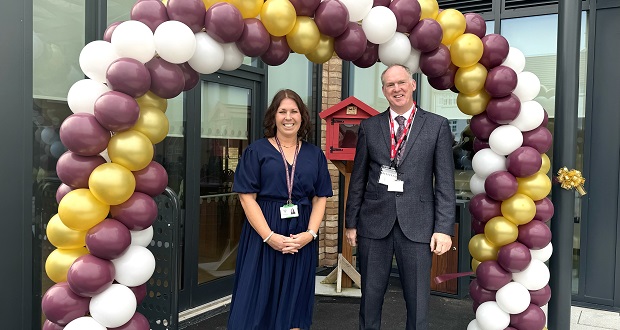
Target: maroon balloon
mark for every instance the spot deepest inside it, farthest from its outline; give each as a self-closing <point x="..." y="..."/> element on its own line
<point x="539" y="138"/>
<point x="426" y="35"/>
<point x="224" y="22"/>
<point x="501" y="81"/>
<point x="475" y="306"/>
<point x="82" y="134"/>
<point x="151" y="13"/>
<point x="332" y="18"/>
<point x="137" y="322"/>
<point x="277" y="53"/>
<point x="445" y="81"/>
<point x="541" y="297"/>
<point x="117" y="111"/>
<point x="477" y="226"/>
<point x="511" y="328"/>
<point x="532" y="318"/>
<point x="49" y="325"/>
<point x="139" y="291"/>
<point x="407" y="14"/>
<point x="534" y="234"/>
<point x="494" y="50"/>
<point x="480" y="144"/>
<point x="151" y="180"/>
<point x="482" y="126"/>
<point x="137" y="213"/>
<point x="383" y="3"/>
<point x="255" y="40"/>
<point x="479" y="294"/>
<point x="190" y="76"/>
<point x="167" y="79"/>
<point x="351" y="44"/>
<point x="62" y="190"/>
<point x="500" y="185"/>
<point x="492" y="276"/>
<point x="523" y="162"/>
<point x="514" y="257"/>
<point x="305" y="7"/>
<point x="370" y="56"/>
<point x="545" y="119"/>
<point x="74" y="170"/>
<point x="435" y="63"/>
<point x="190" y="12"/>
<point x="474" y="23"/>
<point x="61" y="305"/>
<point x="503" y="110"/>
<point x="129" y="76"/>
<point x="107" y="35"/>
<point x="483" y="207"/>
<point x="89" y="275"/>
<point x="544" y="209"/>
<point x="108" y="239"/>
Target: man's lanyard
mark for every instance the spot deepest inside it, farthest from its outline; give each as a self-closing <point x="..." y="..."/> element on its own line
<point x="289" y="178"/>
<point x="395" y="145"/>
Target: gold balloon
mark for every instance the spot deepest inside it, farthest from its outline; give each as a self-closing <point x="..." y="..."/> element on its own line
<point x="474" y="264"/>
<point x="304" y="36"/>
<point x="81" y="210"/>
<point x="131" y="149"/>
<point x="500" y="231"/>
<point x="473" y="104"/>
<point x="536" y="186"/>
<point x="278" y="17"/>
<point x="111" y="183"/>
<point x="481" y="249"/>
<point x="248" y="8"/>
<point x="151" y="100"/>
<point x="62" y="236"/>
<point x="466" y="50"/>
<point x="324" y="50"/>
<point x="470" y="80"/>
<point x="546" y="164"/>
<point x="452" y="23"/>
<point x="60" y="260"/>
<point x="430" y="9"/>
<point x="519" y="209"/>
<point x="153" y="123"/>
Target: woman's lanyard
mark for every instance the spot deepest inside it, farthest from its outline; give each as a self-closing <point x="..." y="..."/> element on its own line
<point x="289" y="210"/>
<point x="395" y="145"/>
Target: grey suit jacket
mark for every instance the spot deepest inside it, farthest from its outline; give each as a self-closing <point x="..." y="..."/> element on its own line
<point x="427" y="204"/>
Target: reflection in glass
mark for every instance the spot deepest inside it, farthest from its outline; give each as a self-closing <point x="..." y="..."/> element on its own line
<point x="347" y="137"/>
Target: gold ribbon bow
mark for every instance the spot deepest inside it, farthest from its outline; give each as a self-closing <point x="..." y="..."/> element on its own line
<point x="569" y="179"/>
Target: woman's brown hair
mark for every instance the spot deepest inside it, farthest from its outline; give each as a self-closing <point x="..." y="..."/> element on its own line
<point x="269" y="123"/>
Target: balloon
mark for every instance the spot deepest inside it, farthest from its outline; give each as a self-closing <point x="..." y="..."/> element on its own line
<point x="426" y="35"/>
<point x="476" y="184"/>
<point x="90" y="275"/>
<point x="142" y="237"/>
<point x="480" y="144"/>
<point x="491" y="275"/>
<point x="539" y="138"/>
<point x="481" y="249"/>
<point x="491" y="317"/>
<point x="131" y="149"/>
<point x="174" y="42"/>
<point x="74" y="169"/>
<point x="453" y="25"/>
<point x="167" y="80"/>
<point x="108" y="240"/>
<point x="474" y="264"/>
<point x="469" y="79"/>
<point x="58" y="262"/>
<point x="546" y="164"/>
<point x="111" y="183"/>
<point x="544" y="209"/>
<point x="370" y="56"/>
<point x="445" y="81"/>
<point x="383" y="3"/>
<point x="137" y="213"/>
<point x="95" y="58"/>
<point x="495" y="50"/>
<point x="480" y="294"/>
<point x="535" y="234"/>
<point x="224" y="22"/>
<point x="116" y="111"/>
<point x="137" y="322"/>
<point x="83" y="135"/>
<point x="482" y="126"/>
<point x="190" y="76"/>
<point x="61" y="305"/>
<point x="542" y="254"/>
<point x="379" y="25"/>
<point x="536" y="186"/>
<point x="305" y="35"/>
<point x="530" y="116"/>
<point x="107" y="34"/>
<point x="541" y="297"/>
<point x="188" y="12"/>
<point x="484" y="208"/>
<point x="501" y="81"/>
<point x="139" y="292"/>
<point x="532" y="318"/>
<point x="513" y="298"/>
<point x="505" y="139"/>
<point x="500" y="185"/>
<point x="523" y="162"/>
<point x="85" y="322"/>
<point x="306" y="7"/>
<point x="358" y="9"/>
<point x="62" y="190"/>
<point x="135" y="266"/>
<point x="80" y="210"/>
<point x="115" y="306"/>
<point x="133" y="39"/>
<point x="332" y="18"/>
<point x="153" y="123"/>
<point x="209" y="54"/>
<point x="528" y="86"/>
<point x="395" y="51"/>
<point x="151" y="180"/>
<point x="251" y="8"/>
<point x="49" y="325"/>
<point x="486" y="161"/>
<point x="474" y="23"/>
<point x="277" y="53"/>
<point x="151" y="13"/>
<point x="233" y="58"/>
<point x="465" y="51"/>
<point x="278" y="16"/>
<point x="473" y="104"/>
<point x="428" y="9"/>
<point x="519" y="209"/>
<point x="254" y="40"/>
<point x="129" y="76"/>
<point x="514" y="257"/>
<point x="407" y="14"/>
<point x="515" y="60"/>
<point x="503" y="110"/>
<point x="477" y="226"/>
<point x="150" y="99"/>
<point x="435" y="63"/>
<point x="473" y="324"/>
<point x="323" y="51"/>
<point x="499" y="231"/>
<point x="62" y="236"/>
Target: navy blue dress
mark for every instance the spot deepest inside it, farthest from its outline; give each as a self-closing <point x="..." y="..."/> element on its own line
<point x="274" y="291"/>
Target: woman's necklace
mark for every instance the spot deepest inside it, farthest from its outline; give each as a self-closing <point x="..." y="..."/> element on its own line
<point x="283" y="146"/>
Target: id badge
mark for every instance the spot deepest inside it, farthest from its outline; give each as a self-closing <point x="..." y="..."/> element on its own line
<point x="388" y="175"/>
<point x="396" y="186"/>
<point x="289" y="211"/>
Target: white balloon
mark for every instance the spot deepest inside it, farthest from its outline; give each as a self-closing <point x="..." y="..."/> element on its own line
<point x="84" y="323"/>
<point x="505" y="139"/>
<point x="233" y="58"/>
<point x="413" y="62"/>
<point x="114" y="306"/>
<point x="105" y="155"/>
<point x="95" y="58"/>
<point x="358" y="9"/>
<point x="379" y="25"/>
<point x="534" y="277"/>
<point x="83" y="94"/>
<point x="134" y="39"/>
<point x="476" y="184"/>
<point x="531" y="116"/>
<point x="473" y="325"/>
<point x="135" y="266"/>
<point x="486" y="161"/>
<point x="528" y="86"/>
<point x="513" y="298"/>
<point x="542" y="254"/>
<point x="208" y="56"/>
<point x="491" y="317"/>
<point x="142" y="237"/>
<point x="396" y="50"/>
<point x="515" y="60"/>
<point x="174" y="42"/>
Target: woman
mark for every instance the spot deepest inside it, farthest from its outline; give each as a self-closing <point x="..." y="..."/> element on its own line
<point x="283" y="184"/>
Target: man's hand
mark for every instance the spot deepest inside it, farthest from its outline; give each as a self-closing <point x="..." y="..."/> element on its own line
<point x="440" y="243"/>
<point x="351" y="234"/>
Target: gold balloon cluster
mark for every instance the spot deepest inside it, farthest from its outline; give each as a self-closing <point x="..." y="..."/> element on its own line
<point x="571" y="179"/>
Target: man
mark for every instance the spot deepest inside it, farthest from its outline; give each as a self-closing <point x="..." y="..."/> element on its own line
<point x="401" y="199"/>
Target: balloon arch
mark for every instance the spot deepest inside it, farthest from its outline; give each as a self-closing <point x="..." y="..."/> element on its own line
<point x="106" y="207"/>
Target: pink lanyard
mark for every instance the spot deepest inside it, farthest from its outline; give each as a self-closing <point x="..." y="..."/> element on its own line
<point x="395" y="145"/>
<point x="290" y="179"/>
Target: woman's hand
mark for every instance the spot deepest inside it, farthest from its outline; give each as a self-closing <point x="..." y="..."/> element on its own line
<point x="302" y="239"/>
<point x="284" y="244"/>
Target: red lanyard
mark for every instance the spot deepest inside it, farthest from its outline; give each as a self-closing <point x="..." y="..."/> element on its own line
<point x="290" y="179"/>
<point x="396" y="144"/>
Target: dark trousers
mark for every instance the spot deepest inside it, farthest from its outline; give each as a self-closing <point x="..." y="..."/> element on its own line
<point x="414" y="267"/>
